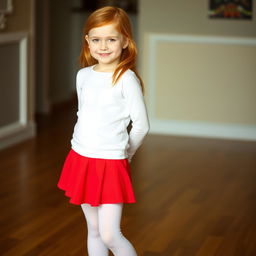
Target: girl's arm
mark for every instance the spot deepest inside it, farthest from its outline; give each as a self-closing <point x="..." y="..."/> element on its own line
<point x="137" y="110"/>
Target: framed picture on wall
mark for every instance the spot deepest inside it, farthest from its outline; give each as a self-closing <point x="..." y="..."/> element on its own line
<point x="230" y="9"/>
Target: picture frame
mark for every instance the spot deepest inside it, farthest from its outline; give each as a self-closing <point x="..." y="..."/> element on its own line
<point x="231" y="9"/>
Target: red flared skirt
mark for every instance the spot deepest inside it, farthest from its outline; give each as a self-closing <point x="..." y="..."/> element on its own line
<point x="96" y="181"/>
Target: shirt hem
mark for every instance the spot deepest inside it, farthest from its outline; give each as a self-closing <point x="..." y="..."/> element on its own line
<point x="100" y="154"/>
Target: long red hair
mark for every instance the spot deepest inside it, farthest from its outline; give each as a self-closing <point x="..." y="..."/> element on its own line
<point x="120" y="19"/>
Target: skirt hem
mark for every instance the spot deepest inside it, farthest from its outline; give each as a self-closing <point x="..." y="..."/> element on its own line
<point x="71" y="201"/>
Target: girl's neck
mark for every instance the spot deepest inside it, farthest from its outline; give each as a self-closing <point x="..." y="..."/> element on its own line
<point x="104" y="68"/>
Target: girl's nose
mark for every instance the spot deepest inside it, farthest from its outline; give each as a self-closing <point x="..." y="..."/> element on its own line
<point x="103" y="45"/>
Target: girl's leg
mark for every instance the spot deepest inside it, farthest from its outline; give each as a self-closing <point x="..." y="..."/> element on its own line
<point x="94" y="243"/>
<point x="109" y="227"/>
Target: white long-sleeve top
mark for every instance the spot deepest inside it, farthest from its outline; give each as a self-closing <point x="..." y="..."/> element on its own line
<point x="105" y="111"/>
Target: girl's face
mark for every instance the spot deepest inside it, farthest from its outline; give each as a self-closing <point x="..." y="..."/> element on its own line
<point x="106" y="45"/>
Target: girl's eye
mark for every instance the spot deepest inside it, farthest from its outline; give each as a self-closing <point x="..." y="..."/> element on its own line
<point x="112" y="40"/>
<point x="95" y="40"/>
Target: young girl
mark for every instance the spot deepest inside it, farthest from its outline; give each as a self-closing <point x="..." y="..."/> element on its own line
<point x="96" y="173"/>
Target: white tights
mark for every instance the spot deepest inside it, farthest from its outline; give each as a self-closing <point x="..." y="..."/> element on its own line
<point x="104" y="234"/>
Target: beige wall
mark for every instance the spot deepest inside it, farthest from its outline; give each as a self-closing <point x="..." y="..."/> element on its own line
<point x="201" y="84"/>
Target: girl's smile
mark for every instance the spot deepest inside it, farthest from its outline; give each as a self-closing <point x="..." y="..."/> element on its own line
<point x="106" y="45"/>
<point x="104" y="54"/>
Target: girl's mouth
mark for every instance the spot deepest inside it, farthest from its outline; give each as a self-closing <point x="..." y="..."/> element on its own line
<point x="104" y="54"/>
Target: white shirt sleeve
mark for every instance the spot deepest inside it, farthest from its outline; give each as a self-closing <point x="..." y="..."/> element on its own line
<point x="78" y="88"/>
<point x="137" y="110"/>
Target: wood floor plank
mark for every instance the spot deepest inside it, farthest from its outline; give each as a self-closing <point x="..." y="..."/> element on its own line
<point x="209" y="246"/>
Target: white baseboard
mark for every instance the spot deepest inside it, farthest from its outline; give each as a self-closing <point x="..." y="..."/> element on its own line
<point x="203" y="129"/>
<point x="16" y="133"/>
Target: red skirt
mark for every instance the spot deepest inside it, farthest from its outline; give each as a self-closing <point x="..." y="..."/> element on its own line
<point x="96" y="181"/>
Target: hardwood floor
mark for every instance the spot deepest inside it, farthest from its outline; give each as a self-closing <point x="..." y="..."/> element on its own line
<point x="195" y="197"/>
